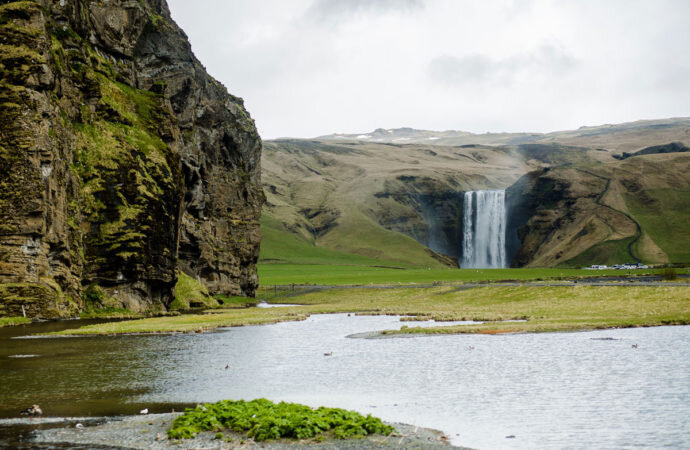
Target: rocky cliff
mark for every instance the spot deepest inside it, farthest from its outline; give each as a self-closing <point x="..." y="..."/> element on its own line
<point x="121" y="161"/>
<point x="623" y="211"/>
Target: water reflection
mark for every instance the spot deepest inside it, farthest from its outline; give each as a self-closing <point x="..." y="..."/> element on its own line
<point x="547" y="390"/>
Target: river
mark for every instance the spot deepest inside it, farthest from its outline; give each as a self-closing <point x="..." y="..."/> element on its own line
<point x="605" y="389"/>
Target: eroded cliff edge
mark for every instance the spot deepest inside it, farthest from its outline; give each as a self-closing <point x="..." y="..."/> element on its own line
<point x="122" y="161"/>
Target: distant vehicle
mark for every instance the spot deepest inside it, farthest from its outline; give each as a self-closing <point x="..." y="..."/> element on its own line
<point x="627" y="266"/>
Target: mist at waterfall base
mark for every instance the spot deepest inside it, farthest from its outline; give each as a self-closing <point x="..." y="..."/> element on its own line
<point x="484" y="230"/>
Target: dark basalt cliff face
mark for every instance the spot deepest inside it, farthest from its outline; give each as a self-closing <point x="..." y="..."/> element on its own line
<point x="121" y="161"/>
<point x="428" y="210"/>
<point x="556" y="216"/>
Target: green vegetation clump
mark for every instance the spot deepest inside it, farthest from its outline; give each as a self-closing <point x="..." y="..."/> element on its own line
<point x="99" y="305"/>
<point x="95" y="298"/>
<point x="190" y="292"/>
<point x="669" y="274"/>
<point x="263" y="420"/>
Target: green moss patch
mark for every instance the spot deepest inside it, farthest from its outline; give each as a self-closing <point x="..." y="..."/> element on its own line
<point x="32" y="299"/>
<point x="263" y="420"/>
<point x="22" y="10"/>
<point x="190" y="292"/>
<point x="130" y="179"/>
<point x="10" y="321"/>
<point x="98" y="304"/>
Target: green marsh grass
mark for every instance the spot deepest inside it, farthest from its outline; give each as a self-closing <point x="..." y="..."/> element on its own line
<point x="544" y="308"/>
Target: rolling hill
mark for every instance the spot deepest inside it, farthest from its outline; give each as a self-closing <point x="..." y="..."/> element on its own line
<point x="395" y="197"/>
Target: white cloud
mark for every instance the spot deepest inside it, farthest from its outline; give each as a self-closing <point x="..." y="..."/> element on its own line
<point x="307" y="68"/>
<point x="338" y="10"/>
<point x="548" y="60"/>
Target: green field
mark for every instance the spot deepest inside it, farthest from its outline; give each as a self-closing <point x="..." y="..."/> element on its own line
<point x="287" y="258"/>
<point x="284" y="274"/>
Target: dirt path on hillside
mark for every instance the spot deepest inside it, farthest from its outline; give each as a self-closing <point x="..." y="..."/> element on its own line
<point x="599" y="202"/>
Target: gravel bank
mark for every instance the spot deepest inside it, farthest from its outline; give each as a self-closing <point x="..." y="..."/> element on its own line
<point x="148" y="432"/>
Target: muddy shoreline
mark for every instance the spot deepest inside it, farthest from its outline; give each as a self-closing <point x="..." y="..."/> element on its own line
<point x="149" y="432"/>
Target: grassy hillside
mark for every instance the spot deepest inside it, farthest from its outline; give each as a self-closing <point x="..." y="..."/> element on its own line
<point x="610" y="252"/>
<point x="369" y="204"/>
<point x="609" y="137"/>
<point x="665" y="215"/>
<point x="280" y="246"/>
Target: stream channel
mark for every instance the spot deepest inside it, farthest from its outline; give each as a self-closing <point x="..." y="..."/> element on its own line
<point x="595" y="389"/>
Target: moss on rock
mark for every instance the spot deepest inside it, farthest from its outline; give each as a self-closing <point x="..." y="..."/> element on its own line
<point x="190" y="292"/>
<point x="94" y="101"/>
<point x="34" y="300"/>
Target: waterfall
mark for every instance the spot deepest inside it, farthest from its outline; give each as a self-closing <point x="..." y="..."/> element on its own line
<point x="484" y="220"/>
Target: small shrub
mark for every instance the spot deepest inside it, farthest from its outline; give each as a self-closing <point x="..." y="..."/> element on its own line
<point x="264" y="420"/>
<point x="669" y="274"/>
<point x="93" y="296"/>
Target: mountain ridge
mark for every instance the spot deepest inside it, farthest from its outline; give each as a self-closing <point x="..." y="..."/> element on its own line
<point x="456" y="137"/>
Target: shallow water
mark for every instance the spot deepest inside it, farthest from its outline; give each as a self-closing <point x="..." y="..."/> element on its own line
<point x="559" y="390"/>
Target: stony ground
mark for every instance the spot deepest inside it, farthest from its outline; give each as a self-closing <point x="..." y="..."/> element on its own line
<point x="148" y="432"/>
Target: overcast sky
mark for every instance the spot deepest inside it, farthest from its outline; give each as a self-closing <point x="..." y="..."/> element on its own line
<point x="312" y="67"/>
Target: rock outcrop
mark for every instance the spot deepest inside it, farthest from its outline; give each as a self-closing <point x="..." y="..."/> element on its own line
<point x="431" y="213"/>
<point x="121" y="161"/>
<point x="556" y="215"/>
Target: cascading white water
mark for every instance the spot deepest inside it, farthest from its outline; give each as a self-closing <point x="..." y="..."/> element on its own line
<point x="483" y="240"/>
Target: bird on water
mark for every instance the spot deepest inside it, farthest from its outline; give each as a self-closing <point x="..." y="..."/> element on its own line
<point x="34" y="411"/>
